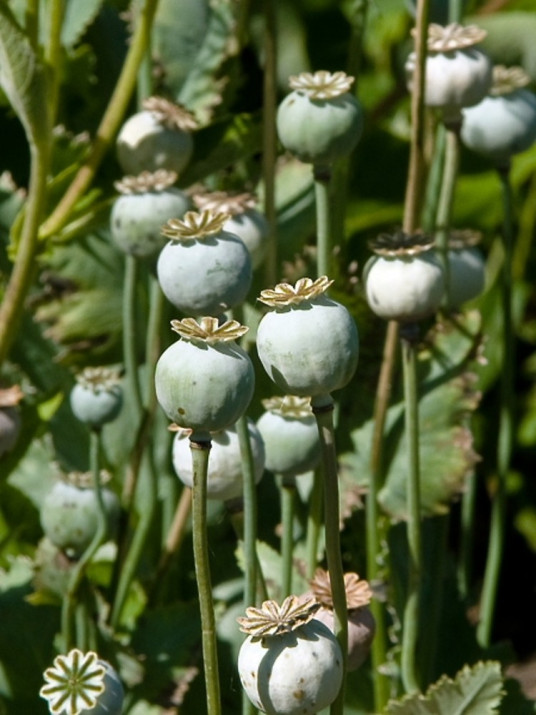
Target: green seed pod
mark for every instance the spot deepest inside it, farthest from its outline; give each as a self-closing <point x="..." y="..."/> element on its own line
<point x="69" y="514"/>
<point x="224" y="481"/>
<point x="147" y="202"/>
<point x="97" y="397"/>
<point x="158" y="137"/>
<point x="467" y="268"/>
<point x="205" y="381"/>
<point x="290" y="434"/>
<point x="320" y="120"/>
<point x="404" y="281"/>
<point x="203" y="270"/>
<point x="290" y="663"/>
<point x="244" y="221"/>
<point x="80" y="683"/>
<point x="504" y="123"/>
<point x="309" y="344"/>
<point x="457" y="73"/>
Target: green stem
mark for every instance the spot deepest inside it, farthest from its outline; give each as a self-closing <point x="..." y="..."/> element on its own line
<point x="322" y="179"/>
<point x="139" y="539"/>
<point x="25" y="266"/>
<point x="109" y="125"/>
<point x="506" y="428"/>
<point x="250" y="528"/>
<point x="79" y="570"/>
<point x="288" y="494"/>
<point x="409" y="337"/>
<point x="200" y="446"/>
<point x="468" y="507"/>
<point x="31" y="22"/>
<point x="446" y="198"/>
<point x="372" y="514"/>
<point x="433" y="184"/>
<point x="130" y="334"/>
<point x="53" y="55"/>
<point x="314" y="521"/>
<point x="269" y="137"/>
<point x="323" y="410"/>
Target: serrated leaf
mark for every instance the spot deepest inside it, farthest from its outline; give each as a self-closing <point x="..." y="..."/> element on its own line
<point x="78" y="17"/>
<point x="22" y="78"/>
<point x="475" y="690"/>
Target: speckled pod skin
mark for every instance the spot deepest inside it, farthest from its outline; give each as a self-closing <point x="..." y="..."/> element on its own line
<point x="405" y="289"/>
<point x="205" y="277"/>
<point x="144" y="144"/>
<point x="96" y="407"/>
<point x="204" y="387"/>
<point x="224" y="480"/>
<point x="252" y="228"/>
<point x="69" y="516"/>
<point x="136" y="220"/>
<point x="455" y="79"/>
<point x="309" y="349"/>
<point x="296" y="673"/>
<point x="361" y="631"/>
<point x="318" y="131"/>
<point x="467" y="275"/>
<point x="292" y="445"/>
<point x="500" y="127"/>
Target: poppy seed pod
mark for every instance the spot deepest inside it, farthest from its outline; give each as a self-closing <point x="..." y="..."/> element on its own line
<point x="320" y="121"/>
<point x="308" y="344"/>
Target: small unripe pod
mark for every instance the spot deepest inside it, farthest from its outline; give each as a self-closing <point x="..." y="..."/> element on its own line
<point x="97" y="397"/>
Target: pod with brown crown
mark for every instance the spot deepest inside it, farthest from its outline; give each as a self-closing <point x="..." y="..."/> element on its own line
<point x="320" y="120"/>
<point x="146" y="202"/>
<point x="290" y="662"/>
<point x="205" y="380"/>
<point x="158" y="137"/>
<point x="203" y="269"/>
<point x="308" y="343"/>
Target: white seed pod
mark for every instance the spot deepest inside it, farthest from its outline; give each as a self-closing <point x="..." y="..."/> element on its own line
<point x="97" y="397"/>
<point x="290" y="434"/>
<point x="205" y="381"/>
<point x="69" y="516"/>
<point x="404" y="282"/>
<point x="320" y="120"/>
<point x="296" y="670"/>
<point x="203" y="270"/>
<point x="467" y="274"/>
<point x="158" y="137"/>
<point x="457" y="73"/>
<point x="224" y="480"/>
<point x="309" y="344"/>
<point x="146" y="203"/>
<point x="504" y="123"/>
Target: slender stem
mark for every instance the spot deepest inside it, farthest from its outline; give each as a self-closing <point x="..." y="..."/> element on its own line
<point x="323" y="410"/>
<point x="506" y="427"/>
<point x="173" y="542"/>
<point x="269" y="137"/>
<point x="446" y="198"/>
<point x="79" y="570"/>
<point x="433" y="184"/>
<point x="110" y="122"/>
<point x="53" y="55"/>
<point x="314" y="521"/>
<point x="465" y="566"/>
<point x="411" y="611"/>
<point x="153" y="343"/>
<point x="130" y="333"/>
<point x="31" y="21"/>
<point x="25" y="264"/>
<point x="200" y="454"/>
<point x="139" y="539"/>
<point x="417" y="164"/>
<point x="322" y="179"/>
<point x="372" y="513"/>
<point x="288" y="494"/>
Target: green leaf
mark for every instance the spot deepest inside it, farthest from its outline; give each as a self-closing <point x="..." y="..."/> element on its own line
<point x="78" y="17"/>
<point x="22" y="78"/>
<point x="475" y="690"/>
<point x="510" y="39"/>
